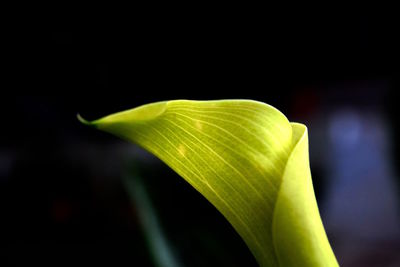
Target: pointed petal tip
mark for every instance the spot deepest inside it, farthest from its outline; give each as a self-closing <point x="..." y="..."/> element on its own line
<point x="84" y="121"/>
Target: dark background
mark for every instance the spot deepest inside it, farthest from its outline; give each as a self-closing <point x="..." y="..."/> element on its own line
<point x="62" y="198"/>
